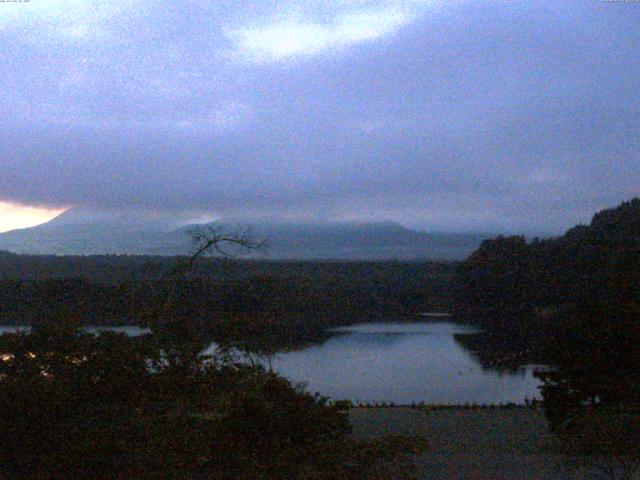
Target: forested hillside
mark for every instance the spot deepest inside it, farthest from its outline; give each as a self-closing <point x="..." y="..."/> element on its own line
<point x="575" y="302"/>
<point x="293" y="301"/>
<point x="511" y="285"/>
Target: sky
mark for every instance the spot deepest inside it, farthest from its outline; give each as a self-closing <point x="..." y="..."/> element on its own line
<point x="502" y="116"/>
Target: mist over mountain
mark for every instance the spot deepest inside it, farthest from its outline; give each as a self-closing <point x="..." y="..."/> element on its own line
<point x="87" y="232"/>
<point x="129" y="219"/>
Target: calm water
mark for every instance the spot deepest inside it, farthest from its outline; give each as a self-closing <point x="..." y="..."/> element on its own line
<point x="130" y="330"/>
<point x="395" y="362"/>
<point x="403" y="363"/>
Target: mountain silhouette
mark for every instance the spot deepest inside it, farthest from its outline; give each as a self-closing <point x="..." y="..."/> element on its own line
<point x="88" y="232"/>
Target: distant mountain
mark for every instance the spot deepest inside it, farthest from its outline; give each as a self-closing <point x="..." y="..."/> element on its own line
<point x="86" y="232"/>
<point x="346" y="241"/>
<point x="79" y="232"/>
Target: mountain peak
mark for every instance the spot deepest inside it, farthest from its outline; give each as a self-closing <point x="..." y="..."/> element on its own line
<point x="86" y="231"/>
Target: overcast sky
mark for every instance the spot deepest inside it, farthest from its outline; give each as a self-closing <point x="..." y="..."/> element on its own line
<point x="480" y="115"/>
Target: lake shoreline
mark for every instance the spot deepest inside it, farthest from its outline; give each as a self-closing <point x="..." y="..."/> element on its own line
<point x="421" y="364"/>
<point x="435" y="407"/>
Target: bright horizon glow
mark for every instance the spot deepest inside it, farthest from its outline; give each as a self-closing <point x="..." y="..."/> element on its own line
<point x="13" y="216"/>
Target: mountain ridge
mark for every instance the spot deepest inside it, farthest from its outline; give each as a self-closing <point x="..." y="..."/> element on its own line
<point x="86" y="233"/>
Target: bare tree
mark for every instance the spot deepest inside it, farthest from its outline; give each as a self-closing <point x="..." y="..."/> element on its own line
<point x="177" y="332"/>
<point x="213" y="240"/>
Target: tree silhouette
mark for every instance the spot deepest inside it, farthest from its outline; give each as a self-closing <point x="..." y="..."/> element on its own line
<point x="108" y="406"/>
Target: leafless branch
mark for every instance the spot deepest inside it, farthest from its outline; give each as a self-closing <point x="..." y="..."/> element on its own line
<point x="212" y="240"/>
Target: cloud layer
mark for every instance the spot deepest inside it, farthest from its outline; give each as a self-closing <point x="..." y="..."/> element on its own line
<point x="440" y="115"/>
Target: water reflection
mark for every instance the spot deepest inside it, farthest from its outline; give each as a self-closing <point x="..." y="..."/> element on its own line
<point x="393" y="362"/>
<point x="131" y="331"/>
<point x="403" y="363"/>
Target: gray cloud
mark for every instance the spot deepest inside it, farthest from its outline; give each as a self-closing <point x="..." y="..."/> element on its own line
<point x="456" y="115"/>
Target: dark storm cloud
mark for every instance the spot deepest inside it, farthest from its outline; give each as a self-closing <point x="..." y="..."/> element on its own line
<point x="457" y="115"/>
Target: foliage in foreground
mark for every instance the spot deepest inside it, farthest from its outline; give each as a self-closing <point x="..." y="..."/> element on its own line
<point x="76" y="405"/>
<point x="592" y="397"/>
<point x="574" y="301"/>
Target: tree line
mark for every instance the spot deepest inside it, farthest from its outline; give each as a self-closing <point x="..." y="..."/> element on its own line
<point x="574" y="300"/>
<point x="284" y="303"/>
<point x="108" y="406"/>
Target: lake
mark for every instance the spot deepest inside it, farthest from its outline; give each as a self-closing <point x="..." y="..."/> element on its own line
<point x="404" y="363"/>
<point x="396" y="362"/>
